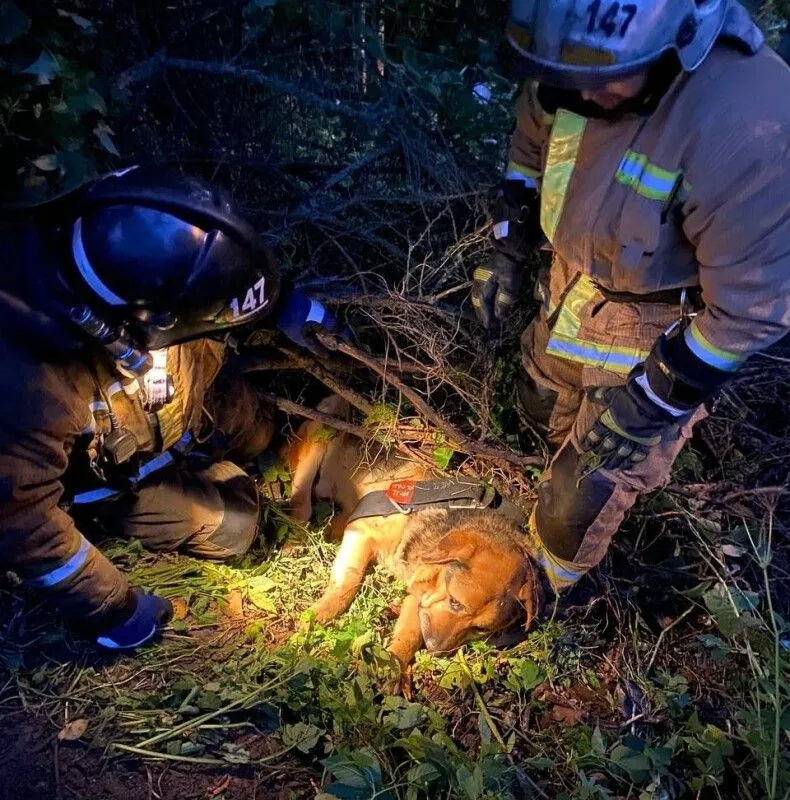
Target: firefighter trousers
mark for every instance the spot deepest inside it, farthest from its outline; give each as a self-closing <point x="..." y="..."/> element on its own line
<point x="574" y="519"/>
<point x="205" y="504"/>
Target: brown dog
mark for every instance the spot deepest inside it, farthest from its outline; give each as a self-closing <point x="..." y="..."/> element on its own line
<point x="467" y="573"/>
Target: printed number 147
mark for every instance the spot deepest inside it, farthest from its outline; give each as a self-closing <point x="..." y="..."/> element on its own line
<point x="615" y="20"/>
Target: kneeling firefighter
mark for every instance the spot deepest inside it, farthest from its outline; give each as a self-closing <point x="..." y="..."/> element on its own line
<point x="652" y="150"/>
<point x="117" y="302"/>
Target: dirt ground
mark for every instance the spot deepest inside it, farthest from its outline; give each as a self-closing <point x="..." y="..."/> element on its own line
<point x="34" y="764"/>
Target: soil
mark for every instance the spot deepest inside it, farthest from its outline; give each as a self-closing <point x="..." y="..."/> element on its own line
<point x="33" y="764"/>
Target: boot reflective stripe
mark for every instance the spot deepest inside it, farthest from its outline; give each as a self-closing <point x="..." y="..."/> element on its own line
<point x="704" y="350"/>
<point x="566" y="139"/>
<point x="154" y="465"/>
<point x="65" y="571"/>
<point x="516" y="172"/>
<point x="645" y="178"/>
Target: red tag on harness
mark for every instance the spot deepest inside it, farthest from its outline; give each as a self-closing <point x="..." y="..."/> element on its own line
<point x="401" y="492"/>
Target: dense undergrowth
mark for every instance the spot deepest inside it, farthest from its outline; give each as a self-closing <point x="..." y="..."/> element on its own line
<point x="354" y="138"/>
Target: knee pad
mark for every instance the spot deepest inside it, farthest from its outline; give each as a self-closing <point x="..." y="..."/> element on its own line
<point x="567" y="506"/>
<point x="241" y="508"/>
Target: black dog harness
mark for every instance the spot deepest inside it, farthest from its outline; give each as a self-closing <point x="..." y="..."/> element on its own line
<point x="403" y="497"/>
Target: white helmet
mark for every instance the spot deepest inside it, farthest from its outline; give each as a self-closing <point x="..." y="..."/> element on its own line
<point x="579" y="43"/>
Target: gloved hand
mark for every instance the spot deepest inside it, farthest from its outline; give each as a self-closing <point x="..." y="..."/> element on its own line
<point x="151" y="613"/>
<point x="629" y="426"/>
<point x="516" y="232"/>
<point x="300" y="317"/>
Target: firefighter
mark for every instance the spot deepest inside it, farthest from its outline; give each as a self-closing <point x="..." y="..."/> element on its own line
<point x="652" y="151"/>
<point x="118" y="302"/>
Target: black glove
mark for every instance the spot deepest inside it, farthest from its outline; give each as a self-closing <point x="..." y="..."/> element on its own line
<point x="517" y="232"/>
<point x="149" y="615"/>
<point x="629" y="426"/>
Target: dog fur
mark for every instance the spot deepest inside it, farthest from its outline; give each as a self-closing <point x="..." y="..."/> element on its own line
<point x="467" y="573"/>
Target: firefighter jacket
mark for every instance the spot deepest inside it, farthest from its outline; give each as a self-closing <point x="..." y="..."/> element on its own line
<point x="693" y="192"/>
<point x="54" y="404"/>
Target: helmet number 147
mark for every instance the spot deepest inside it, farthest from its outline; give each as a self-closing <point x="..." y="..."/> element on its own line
<point x="254" y="300"/>
<point x="616" y="19"/>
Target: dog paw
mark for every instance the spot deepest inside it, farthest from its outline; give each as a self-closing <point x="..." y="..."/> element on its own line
<point x="325" y="611"/>
<point x="400" y="686"/>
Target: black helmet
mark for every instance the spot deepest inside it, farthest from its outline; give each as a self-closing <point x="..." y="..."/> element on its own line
<point x="166" y="258"/>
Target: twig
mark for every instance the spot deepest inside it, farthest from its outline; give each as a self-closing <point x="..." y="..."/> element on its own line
<point x="147" y="69"/>
<point x="457" y="439"/>
<point x="663" y="633"/>
<point x="319" y="416"/>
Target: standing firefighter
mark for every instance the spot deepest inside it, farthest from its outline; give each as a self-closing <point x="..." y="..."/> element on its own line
<point x="652" y="149"/>
<point x="117" y="302"/>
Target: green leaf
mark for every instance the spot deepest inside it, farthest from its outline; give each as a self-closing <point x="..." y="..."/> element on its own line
<point x="442" y="457"/>
<point x="718" y="603"/>
<point x="103" y="133"/>
<point x="470" y="782"/>
<point x="45" y="68"/>
<point x="424" y="774"/>
<point x="403" y="714"/>
<point x="258" y="589"/>
<point x="358" y="771"/>
<point x="524" y="675"/>
<point x="13" y="22"/>
<point x="301" y="736"/>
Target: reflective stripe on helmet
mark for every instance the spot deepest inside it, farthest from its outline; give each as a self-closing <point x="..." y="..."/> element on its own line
<point x="708" y="352"/>
<point x="566" y="138"/>
<point x="63" y="571"/>
<point x="86" y="268"/>
<point x="645" y="178"/>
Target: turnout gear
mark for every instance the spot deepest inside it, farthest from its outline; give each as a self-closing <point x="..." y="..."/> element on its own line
<point x="630" y="425"/>
<point x="578" y="44"/>
<point x="496" y="285"/>
<point x="149" y="615"/>
<point x="682" y="196"/>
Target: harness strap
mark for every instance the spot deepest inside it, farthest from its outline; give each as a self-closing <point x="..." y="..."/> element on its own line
<point x="403" y="497"/>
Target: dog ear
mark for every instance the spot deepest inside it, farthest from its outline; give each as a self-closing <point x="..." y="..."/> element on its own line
<point x="458" y="546"/>
<point x="531" y="594"/>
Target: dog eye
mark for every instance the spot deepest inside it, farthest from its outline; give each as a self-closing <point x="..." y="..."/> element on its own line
<point x="455" y="605"/>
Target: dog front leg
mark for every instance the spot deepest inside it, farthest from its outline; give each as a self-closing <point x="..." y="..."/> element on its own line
<point x="407" y="636"/>
<point x="353" y="559"/>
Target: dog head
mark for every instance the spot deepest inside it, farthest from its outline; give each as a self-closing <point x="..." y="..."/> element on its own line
<point x="475" y="581"/>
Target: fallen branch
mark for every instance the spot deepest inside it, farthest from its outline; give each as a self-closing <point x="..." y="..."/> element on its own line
<point x="147" y="69"/>
<point x="457" y="439"/>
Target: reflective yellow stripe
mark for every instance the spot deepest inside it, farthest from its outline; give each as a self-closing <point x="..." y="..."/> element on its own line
<point x="482" y="274"/>
<point x="648" y="180"/>
<point x="566" y="138"/>
<point x="564" y="341"/>
<point x="560" y="573"/>
<point x="706" y="351"/>
<point x="506" y="299"/>
<point x="476" y="301"/>
<point x="569" y="319"/>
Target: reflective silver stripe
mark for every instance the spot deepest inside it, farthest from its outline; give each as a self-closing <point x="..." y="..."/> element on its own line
<point x="154" y="465"/>
<point x="93" y="496"/>
<point x="64" y="571"/>
<point x="86" y="268"/>
<point x="316" y="313"/>
<point x="98" y="405"/>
